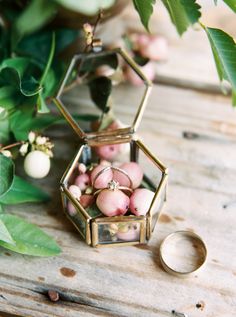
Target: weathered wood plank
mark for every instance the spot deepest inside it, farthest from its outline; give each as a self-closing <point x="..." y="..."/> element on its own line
<point x="130" y="281"/>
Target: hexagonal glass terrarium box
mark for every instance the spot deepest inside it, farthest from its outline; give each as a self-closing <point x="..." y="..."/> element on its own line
<point x="93" y="84"/>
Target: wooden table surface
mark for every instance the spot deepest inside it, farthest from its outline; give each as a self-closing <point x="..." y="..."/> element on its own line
<point x="129" y="281"/>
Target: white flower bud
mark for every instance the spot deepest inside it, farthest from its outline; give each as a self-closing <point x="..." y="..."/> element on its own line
<point x="6" y="153"/>
<point x="40" y="140"/>
<point x="31" y="136"/>
<point x="24" y="148"/>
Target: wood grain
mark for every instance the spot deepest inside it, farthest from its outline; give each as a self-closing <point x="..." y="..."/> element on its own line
<point x="129" y="281"/>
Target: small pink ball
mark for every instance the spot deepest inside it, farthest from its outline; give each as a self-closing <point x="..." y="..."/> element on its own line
<point x="132" y="234"/>
<point x="134" y="171"/>
<point x="112" y="203"/>
<point x="103" y="179"/>
<point x="148" y="70"/>
<point x="156" y="49"/>
<point x="107" y="152"/>
<point x="140" y="201"/>
<point x="71" y="209"/>
<point x="75" y="191"/>
<point x="82" y="168"/>
<point x="82" y="181"/>
<point x="86" y="200"/>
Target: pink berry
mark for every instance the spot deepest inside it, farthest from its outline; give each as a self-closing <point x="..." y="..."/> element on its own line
<point x="134" y="171"/>
<point x="86" y="200"/>
<point x="132" y="234"/>
<point x="148" y="70"/>
<point x="112" y="202"/>
<point x="82" y="168"/>
<point x="155" y="48"/>
<point x="107" y="152"/>
<point x="140" y="201"/>
<point x="103" y="179"/>
<point x="82" y="181"/>
<point x="71" y="209"/>
<point x="75" y="191"/>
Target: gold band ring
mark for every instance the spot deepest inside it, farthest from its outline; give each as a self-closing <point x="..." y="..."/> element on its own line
<point x="181" y="237"/>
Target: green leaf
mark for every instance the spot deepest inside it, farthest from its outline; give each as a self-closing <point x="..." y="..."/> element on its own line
<point x="1" y="209"/>
<point x="4" y="129"/>
<point x="224" y="51"/>
<point x="28" y="87"/>
<point x="38" y="45"/>
<point x="36" y="14"/>
<point x="100" y="90"/>
<point x="49" y="62"/>
<point x="18" y="63"/>
<point x="8" y="97"/>
<point x="145" y="10"/>
<point x="7" y="170"/>
<point x="21" y="192"/>
<point x="5" y="235"/>
<point x="183" y="13"/>
<point x="231" y="4"/>
<point x="28" y="238"/>
<point x="41" y="104"/>
<point x="91" y="8"/>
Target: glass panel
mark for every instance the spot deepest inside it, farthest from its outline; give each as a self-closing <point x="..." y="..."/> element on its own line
<point x="96" y="89"/>
<point x="76" y="216"/>
<point x="158" y="206"/>
<point x="118" y="232"/>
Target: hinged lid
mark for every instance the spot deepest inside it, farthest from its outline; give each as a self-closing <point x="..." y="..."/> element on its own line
<point x="91" y="82"/>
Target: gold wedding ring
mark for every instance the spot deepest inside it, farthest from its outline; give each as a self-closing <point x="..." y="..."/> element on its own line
<point x="182" y="253"/>
<point x="113" y="182"/>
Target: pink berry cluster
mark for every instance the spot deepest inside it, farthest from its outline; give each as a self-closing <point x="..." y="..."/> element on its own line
<point x="112" y="199"/>
<point x="146" y="49"/>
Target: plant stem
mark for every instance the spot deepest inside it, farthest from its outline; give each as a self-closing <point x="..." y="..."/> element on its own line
<point x="11" y="145"/>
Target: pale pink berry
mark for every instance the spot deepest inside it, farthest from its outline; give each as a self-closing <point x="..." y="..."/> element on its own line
<point x="71" y="209"/>
<point x="132" y="234"/>
<point x="107" y="152"/>
<point x="82" y="168"/>
<point x="155" y="47"/>
<point x="103" y="179"/>
<point x="82" y="181"/>
<point x="75" y="191"/>
<point x="148" y="69"/>
<point x="86" y="200"/>
<point x="112" y="202"/>
<point x="140" y="201"/>
<point x="134" y="171"/>
<point x="105" y="163"/>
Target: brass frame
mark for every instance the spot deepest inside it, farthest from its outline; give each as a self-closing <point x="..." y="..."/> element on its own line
<point x="104" y="136"/>
<point x="123" y="135"/>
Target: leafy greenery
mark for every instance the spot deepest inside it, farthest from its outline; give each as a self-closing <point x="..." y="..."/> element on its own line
<point x="6" y="174"/>
<point x="5" y="235"/>
<point x="183" y="13"/>
<point x="21" y="191"/>
<point x="231" y="4"/>
<point x="145" y="10"/>
<point x="224" y="52"/>
<point x="25" y="238"/>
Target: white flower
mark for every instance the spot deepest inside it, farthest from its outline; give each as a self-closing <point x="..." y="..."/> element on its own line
<point x="40" y="140"/>
<point x="31" y="136"/>
<point x="1" y="110"/>
<point x="6" y="153"/>
<point x="24" y="148"/>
